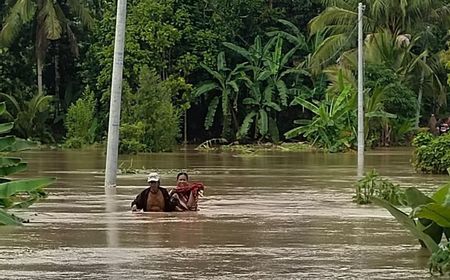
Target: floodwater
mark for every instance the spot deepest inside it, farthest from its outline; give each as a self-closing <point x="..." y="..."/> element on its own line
<point x="274" y="216"/>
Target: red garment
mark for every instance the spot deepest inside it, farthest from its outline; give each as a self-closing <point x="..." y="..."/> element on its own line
<point x="185" y="196"/>
<point x="185" y="187"/>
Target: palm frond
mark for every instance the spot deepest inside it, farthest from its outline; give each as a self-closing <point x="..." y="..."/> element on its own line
<point x="332" y="19"/>
<point x="80" y="8"/>
<point x="50" y="21"/>
<point x="328" y="50"/>
<point x="21" y="12"/>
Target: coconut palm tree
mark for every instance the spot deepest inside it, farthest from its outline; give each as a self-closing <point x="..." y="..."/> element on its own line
<point x="398" y="22"/>
<point x="400" y="17"/>
<point x="50" y="23"/>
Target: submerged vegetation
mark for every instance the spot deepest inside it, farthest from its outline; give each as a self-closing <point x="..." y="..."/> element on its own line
<point x="373" y="185"/>
<point x="428" y="219"/>
<point x="252" y="149"/>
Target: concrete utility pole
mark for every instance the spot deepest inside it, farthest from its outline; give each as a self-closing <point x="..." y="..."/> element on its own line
<point x="360" y="92"/>
<point x="116" y="95"/>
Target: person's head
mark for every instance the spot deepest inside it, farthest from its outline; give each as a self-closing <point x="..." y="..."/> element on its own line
<point x="153" y="179"/>
<point x="182" y="177"/>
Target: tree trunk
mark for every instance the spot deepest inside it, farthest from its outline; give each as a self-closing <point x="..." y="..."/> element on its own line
<point x="419" y="97"/>
<point x="57" y="79"/>
<point x="40" y="66"/>
<point x="185" y="127"/>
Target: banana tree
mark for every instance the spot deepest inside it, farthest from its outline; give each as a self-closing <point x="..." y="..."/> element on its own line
<point x="16" y="193"/>
<point x="225" y="90"/>
<point x="260" y="113"/>
<point x="265" y="73"/>
<point x="270" y="65"/>
<point x="428" y="220"/>
<point x="332" y="126"/>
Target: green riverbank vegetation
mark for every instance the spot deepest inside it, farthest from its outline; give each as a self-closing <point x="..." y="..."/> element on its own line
<point x="250" y="71"/>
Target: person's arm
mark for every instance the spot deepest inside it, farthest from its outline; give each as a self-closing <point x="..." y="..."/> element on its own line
<point x="192" y="201"/>
<point x="140" y="201"/>
<point x="168" y="205"/>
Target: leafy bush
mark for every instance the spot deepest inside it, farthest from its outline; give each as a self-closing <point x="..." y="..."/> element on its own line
<point x="132" y="138"/>
<point x="150" y="122"/>
<point x="80" y="122"/>
<point x="373" y="185"/>
<point x="422" y="139"/>
<point x="431" y="154"/>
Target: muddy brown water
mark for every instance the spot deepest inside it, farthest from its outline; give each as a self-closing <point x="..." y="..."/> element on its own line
<point x="274" y="216"/>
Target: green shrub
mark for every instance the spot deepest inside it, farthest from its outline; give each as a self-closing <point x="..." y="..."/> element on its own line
<point x="151" y="123"/>
<point x="440" y="261"/>
<point x="373" y="185"/>
<point x="80" y="122"/>
<point x="431" y="154"/>
<point x="422" y="139"/>
<point x="132" y="138"/>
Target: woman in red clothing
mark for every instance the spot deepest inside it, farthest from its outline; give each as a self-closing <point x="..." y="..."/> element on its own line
<point x="185" y="196"/>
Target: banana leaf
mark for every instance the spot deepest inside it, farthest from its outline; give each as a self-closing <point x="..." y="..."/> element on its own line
<point x="7" y="170"/>
<point x="416" y="229"/>
<point x="10" y="188"/>
<point x="416" y="198"/>
<point x="439" y="213"/>
<point x="8" y="161"/>
<point x="20" y="145"/>
<point x="8" y="219"/>
<point x="6" y="127"/>
<point x="6" y="143"/>
<point x="441" y="193"/>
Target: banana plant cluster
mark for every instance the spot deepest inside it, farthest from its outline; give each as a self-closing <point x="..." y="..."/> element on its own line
<point x="428" y="220"/>
<point x="258" y="83"/>
<point x="16" y="193"/>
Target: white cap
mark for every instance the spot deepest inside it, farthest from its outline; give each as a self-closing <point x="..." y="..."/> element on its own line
<point x="153" y="177"/>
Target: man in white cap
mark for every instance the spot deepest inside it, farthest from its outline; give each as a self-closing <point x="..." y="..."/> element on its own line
<point x="154" y="198"/>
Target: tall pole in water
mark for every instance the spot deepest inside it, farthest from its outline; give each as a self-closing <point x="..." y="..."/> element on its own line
<point x="360" y="93"/>
<point x="116" y="95"/>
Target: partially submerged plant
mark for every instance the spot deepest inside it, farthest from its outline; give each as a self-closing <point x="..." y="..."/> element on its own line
<point x="440" y="260"/>
<point x="16" y="193"/>
<point x="373" y="185"/>
<point x="431" y="154"/>
<point x="209" y="144"/>
<point x="428" y="221"/>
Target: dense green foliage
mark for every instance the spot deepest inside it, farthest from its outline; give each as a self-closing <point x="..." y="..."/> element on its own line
<point x="150" y="121"/>
<point x="251" y="70"/>
<point x="80" y="122"/>
<point x="431" y="154"/>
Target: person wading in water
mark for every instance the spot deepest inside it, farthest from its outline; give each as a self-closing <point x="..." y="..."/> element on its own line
<point x="185" y="196"/>
<point x="154" y="198"/>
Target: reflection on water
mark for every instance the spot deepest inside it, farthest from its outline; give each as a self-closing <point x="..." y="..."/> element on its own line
<point x="277" y="216"/>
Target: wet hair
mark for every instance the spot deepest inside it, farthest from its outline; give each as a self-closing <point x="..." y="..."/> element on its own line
<point x="183" y="173"/>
